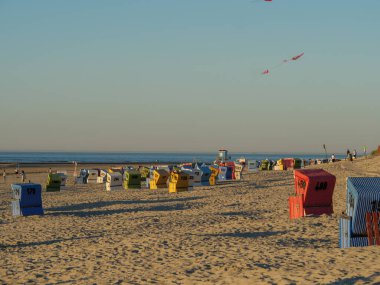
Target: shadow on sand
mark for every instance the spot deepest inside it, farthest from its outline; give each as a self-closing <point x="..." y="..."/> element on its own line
<point x="357" y="280"/>
<point x="100" y="204"/>
<point x="265" y="184"/>
<point x="83" y="214"/>
<point x="47" y="242"/>
<point x="305" y="242"/>
<point x="246" y="234"/>
<point x="247" y="214"/>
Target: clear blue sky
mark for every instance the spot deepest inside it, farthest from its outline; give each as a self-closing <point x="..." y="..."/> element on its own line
<point x="136" y="75"/>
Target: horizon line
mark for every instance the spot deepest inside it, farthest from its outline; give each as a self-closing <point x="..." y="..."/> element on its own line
<point x="162" y="152"/>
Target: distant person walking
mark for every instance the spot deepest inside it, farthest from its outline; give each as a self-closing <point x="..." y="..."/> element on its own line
<point x="23" y="176"/>
<point x="354" y="154"/>
<point x="349" y="155"/>
<point x="4" y="176"/>
<point x="333" y="158"/>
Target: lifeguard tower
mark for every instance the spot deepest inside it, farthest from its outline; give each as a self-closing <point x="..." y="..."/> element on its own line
<point x="223" y="155"/>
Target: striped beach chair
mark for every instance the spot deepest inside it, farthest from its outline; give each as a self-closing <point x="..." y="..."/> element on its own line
<point x="363" y="196"/>
<point x="360" y="225"/>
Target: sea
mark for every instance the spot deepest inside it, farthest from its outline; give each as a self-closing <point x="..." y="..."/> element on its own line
<point x="140" y="157"/>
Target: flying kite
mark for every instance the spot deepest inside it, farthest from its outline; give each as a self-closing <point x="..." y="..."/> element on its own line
<point x="297" y="56"/>
<point x="294" y="58"/>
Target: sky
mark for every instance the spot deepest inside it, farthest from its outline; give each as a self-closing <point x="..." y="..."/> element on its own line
<point x="176" y="75"/>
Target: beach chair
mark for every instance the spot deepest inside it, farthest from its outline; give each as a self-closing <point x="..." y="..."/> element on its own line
<point x="360" y="225"/>
<point x="149" y="177"/>
<point x="265" y="165"/>
<point x="102" y="178"/>
<point x="314" y="189"/>
<point x="27" y="199"/>
<point x="222" y="176"/>
<point x="189" y="172"/>
<point x="205" y="176"/>
<point x="132" y="179"/>
<point x="92" y="177"/>
<point x="114" y="181"/>
<point x="238" y="171"/>
<point x="363" y="196"/>
<point x="197" y="175"/>
<point x="230" y="173"/>
<point x="279" y="165"/>
<point x="178" y="182"/>
<point x="144" y="171"/>
<point x="297" y="164"/>
<point x="214" y="174"/>
<point x="160" y="177"/>
<point x="253" y="166"/>
<point x="53" y="183"/>
<point x="288" y="163"/>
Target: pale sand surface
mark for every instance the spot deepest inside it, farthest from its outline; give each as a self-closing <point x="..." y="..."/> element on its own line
<point x="237" y="233"/>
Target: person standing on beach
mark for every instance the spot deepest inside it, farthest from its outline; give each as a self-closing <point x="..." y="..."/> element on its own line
<point x="4" y="176"/>
<point x="349" y="155"/>
<point x="354" y="154"/>
<point x="23" y="176"/>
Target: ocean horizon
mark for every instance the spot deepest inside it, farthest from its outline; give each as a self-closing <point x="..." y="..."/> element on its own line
<point x="142" y="157"/>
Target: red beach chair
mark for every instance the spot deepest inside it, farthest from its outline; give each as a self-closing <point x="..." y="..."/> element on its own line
<point x="316" y="188"/>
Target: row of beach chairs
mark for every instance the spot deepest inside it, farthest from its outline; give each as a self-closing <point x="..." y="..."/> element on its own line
<point x="358" y="226"/>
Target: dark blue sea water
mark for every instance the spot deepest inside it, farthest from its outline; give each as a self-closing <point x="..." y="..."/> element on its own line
<point x="98" y="157"/>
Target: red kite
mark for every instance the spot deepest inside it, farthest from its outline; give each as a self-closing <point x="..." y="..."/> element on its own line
<point x="297" y="56"/>
<point x="294" y="58"/>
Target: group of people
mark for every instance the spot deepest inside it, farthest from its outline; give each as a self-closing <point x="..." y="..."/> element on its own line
<point x="351" y="156"/>
<point x="22" y="175"/>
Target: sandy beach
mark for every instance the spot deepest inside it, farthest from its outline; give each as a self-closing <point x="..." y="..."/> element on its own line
<point x="233" y="233"/>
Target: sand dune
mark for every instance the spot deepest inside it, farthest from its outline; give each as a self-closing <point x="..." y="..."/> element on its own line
<point x="236" y="233"/>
